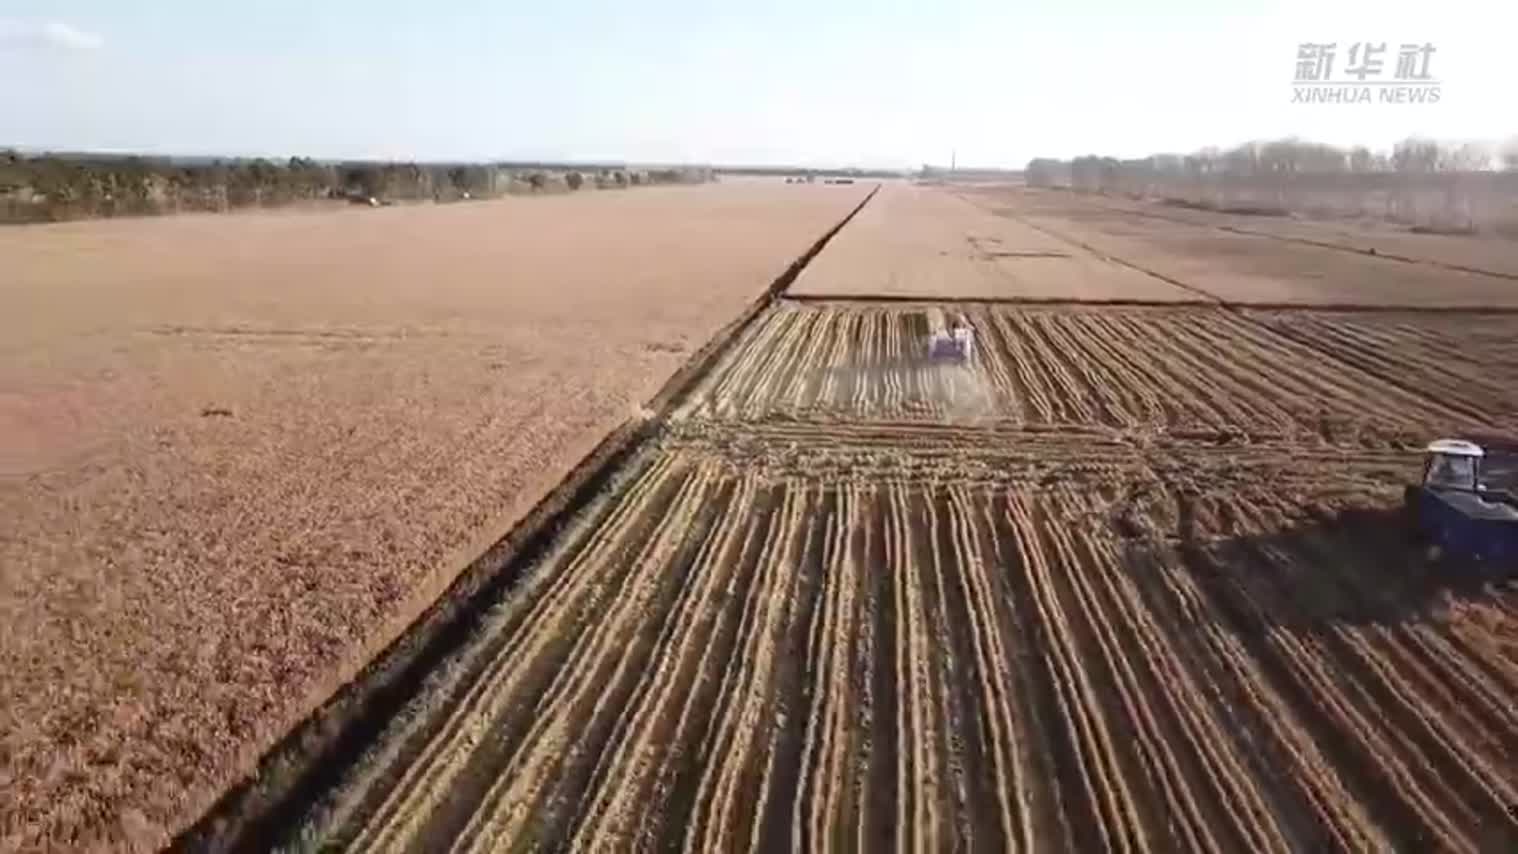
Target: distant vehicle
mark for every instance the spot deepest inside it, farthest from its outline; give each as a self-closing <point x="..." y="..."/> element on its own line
<point x="1466" y="506"/>
<point x="955" y="344"/>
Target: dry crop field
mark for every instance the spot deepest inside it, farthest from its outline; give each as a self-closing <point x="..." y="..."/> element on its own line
<point x="1147" y="370"/>
<point x="238" y="454"/>
<point x="1131" y="579"/>
<point x="824" y="611"/>
<point x="1252" y="260"/>
<point x="1491" y="252"/>
<point x="923" y="242"/>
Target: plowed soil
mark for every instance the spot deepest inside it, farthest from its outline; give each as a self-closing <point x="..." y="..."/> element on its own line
<point x="820" y="612"/>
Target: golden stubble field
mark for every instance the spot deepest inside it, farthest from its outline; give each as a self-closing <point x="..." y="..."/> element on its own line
<point x="241" y="453"/>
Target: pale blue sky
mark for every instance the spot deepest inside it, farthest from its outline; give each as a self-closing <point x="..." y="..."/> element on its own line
<point x="781" y="81"/>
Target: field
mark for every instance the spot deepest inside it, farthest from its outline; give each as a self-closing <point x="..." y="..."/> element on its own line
<point x="829" y="608"/>
<point x="1248" y="260"/>
<point x="241" y="453"/>
<point x="923" y="242"/>
<point x="1146" y="370"/>
<point x="1490" y="253"/>
<point x="1134" y="577"/>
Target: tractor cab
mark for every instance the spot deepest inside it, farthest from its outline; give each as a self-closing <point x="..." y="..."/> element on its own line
<point x="1465" y="504"/>
<point x="1453" y="464"/>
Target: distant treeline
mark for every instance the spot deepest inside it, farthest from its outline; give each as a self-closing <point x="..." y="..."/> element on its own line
<point x="1419" y="182"/>
<point x="46" y="188"/>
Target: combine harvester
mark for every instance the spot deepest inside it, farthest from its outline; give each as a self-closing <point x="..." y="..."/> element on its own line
<point x="947" y="343"/>
<point x="1466" y="507"/>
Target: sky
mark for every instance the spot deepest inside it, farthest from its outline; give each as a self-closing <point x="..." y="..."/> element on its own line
<point x="801" y="82"/>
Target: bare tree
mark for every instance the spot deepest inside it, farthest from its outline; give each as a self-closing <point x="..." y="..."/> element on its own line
<point x="1470" y="157"/>
<point x="1419" y="181"/>
<point x="1415" y="155"/>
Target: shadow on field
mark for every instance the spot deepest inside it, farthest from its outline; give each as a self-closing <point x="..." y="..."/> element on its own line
<point x="1368" y="645"/>
<point x="1355" y="567"/>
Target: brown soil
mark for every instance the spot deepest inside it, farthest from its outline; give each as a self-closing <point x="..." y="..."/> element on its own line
<point x="1257" y="260"/>
<point x="1449" y="247"/>
<point x="922" y="242"/>
<point x="822" y="612"/>
<point x="243" y="453"/>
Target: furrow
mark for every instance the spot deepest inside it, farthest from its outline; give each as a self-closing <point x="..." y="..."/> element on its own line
<point x="816" y="807"/>
<point x="1190" y="745"/>
<point x="961" y="744"/>
<point x="540" y="638"/>
<point x="1116" y="823"/>
<point x="672" y="794"/>
<point x="623" y="788"/>
<point x="602" y="659"/>
<point x="782" y="730"/>
<point x="1176" y="373"/>
<point x="1000" y="791"/>
<point x="1144" y="758"/>
<point x="1075" y="395"/>
<point x="916" y="769"/>
<point x="731" y="758"/>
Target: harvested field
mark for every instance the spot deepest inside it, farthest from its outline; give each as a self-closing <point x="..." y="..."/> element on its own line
<point x="944" y="646"/>
<point x="824" y="609"/>
<point x="1255" y="264"/>
<point x="1143" y="371"/>
<point x="1132" y="578"/>
<point x="242" y="453"/>
<point x="1492" y="253"/>
<point x="1465" y="357"/>
<point x="923" y="242"/>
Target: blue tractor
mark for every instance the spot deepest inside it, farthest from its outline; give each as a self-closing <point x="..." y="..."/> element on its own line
<point x="1466" y="507"/>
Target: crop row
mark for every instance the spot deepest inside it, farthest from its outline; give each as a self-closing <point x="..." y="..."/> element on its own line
<point x="1136" y="370"/>
<point x="732" y="656"/>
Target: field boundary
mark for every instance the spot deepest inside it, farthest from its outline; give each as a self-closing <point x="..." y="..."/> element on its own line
<point x="255" y="813"/>
<point x="1219" y="305"/>
<point x="1029" y="301"/>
